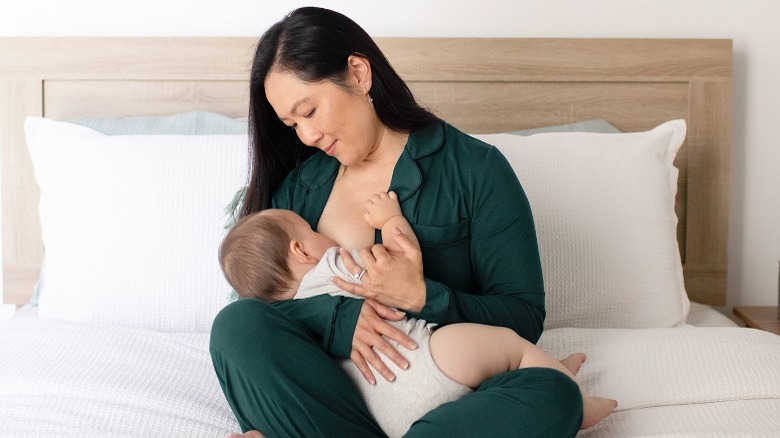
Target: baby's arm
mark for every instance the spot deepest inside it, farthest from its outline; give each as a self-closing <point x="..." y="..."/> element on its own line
<point x="383" y="212"/>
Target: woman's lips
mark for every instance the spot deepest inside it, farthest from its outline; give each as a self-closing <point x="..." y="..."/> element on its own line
<point x="330" y="149"/>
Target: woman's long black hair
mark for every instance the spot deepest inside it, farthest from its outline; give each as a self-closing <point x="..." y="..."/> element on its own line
<point x="314" y="43"/>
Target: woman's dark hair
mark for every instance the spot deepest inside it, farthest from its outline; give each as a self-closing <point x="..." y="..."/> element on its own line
<point x="314" y="44"/>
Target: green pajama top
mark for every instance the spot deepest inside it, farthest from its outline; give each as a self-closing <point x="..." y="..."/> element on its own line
<point x="464" y="202"/>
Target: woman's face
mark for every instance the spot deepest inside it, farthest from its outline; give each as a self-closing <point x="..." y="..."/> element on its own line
<point x="324" y="115"/>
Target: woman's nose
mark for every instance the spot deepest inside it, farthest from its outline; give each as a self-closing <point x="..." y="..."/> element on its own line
<point x="309" y="135"/>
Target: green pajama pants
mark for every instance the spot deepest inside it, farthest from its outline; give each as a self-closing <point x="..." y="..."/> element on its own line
<point x="278" y="380"/>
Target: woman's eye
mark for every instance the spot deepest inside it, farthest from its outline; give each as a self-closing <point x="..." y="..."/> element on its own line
<point x="309" y="114"/>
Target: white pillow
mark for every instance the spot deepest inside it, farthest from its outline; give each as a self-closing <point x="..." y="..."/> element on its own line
<point x="603" y="207"/>
<point x="132" y="224"/>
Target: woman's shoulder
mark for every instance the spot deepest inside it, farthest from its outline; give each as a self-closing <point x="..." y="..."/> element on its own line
<point x="444" y="137"/>
<point x="307" y="176"/>
<point x="470" y="151"/>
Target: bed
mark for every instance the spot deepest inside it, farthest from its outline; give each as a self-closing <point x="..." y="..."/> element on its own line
<point x="130" y="220"/>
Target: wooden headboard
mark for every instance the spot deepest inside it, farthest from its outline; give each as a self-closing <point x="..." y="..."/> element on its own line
<point x="479" y="85"/>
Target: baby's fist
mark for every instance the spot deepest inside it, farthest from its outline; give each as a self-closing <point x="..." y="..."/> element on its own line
<point x="380" y="208"/>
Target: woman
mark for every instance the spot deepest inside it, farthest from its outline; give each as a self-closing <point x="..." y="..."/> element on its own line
<point x="332" y="123"/>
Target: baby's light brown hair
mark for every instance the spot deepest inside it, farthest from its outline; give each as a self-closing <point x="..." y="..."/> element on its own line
<point x="253" y="256"/>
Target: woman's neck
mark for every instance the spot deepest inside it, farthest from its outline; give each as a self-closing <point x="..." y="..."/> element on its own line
<point x="389" y="147"/>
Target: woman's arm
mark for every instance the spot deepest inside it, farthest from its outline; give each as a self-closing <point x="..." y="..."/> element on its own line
<point x="496" y="261"/>
<point x="504" y="258"/>
<point x="331" y="319"/>
<point x="346" y="327"/>
<point x="518" y="310"/>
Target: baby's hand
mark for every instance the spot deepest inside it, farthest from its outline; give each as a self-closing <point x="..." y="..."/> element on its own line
<point x="380" y="208"/>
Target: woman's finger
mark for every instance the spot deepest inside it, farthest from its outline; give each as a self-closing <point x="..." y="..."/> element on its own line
<point x="393" y="333"/>
<point x="393" y="354"/>
<point x="406" y="245"/>
<point x="355" y="289"/>
<point x="349" y="262"/>
<point x="379" y="252"/>
<point x="362" y="366"/>
<point x="367" y="257"/>
<point x="390" y="331"/>
<point x="387" y="313"/>
<point x="375" y="361"/>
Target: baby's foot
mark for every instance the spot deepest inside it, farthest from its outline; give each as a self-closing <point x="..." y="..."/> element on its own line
<point x="595" y="410"/>
<point x="574" y="362"/>
<point x="380" y="208"/>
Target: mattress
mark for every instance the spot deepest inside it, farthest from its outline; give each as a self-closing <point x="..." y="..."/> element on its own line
<point x="688" y="381"/>
<point x="740" y="418"/>
<point x="64" y="379"/>
<point x="702" y="315"/>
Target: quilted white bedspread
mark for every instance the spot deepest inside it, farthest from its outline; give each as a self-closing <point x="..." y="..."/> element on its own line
<point x="61" y="379"/>
<point x="682" y="382"/>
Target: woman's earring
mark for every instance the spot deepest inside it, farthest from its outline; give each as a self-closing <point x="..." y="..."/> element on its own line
<point x="370" y="100"/>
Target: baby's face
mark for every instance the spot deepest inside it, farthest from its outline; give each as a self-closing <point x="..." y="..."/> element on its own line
<point x="314" y="243"/>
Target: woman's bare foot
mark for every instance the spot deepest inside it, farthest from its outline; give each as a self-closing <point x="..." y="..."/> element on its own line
<point x="574" y="362"/>
<point x="596" y="409"/>
<point x="250" y="434"/>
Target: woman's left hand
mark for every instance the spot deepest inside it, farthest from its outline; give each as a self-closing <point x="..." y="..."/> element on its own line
<point x="395" y="280"/>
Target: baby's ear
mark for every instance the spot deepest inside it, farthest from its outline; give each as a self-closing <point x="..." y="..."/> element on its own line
<point x="298" y="252"/>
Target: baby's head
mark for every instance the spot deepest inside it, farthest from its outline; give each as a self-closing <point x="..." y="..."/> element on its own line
<point x="262" y="254"/>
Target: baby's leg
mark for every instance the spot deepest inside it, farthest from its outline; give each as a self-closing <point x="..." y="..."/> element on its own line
<point x="471" y="353"/>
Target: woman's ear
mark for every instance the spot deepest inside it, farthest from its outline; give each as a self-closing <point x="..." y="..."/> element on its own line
<point x="359" y="72"/>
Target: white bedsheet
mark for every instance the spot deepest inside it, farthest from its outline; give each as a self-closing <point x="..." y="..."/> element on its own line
<point x="702" y="315"/>
<point x="741" y="418"/>
<point x="681" y="370"/>
<point x="61" y="379"/>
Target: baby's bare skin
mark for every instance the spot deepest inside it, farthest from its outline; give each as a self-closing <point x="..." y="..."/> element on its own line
<point x="383" y="212"/>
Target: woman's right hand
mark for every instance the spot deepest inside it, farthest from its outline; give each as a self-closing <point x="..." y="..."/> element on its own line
<point x="370" y="332"/>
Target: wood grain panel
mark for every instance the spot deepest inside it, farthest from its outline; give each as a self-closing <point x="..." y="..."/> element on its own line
<point x="485" y="107"/>
<point x="158" y="58"/>
<point x="19" y="282"/>
<point x="76" y="99"/>
<point x="709" y="140"/>
<point x="22" y="245"/>
<point x="556" y="60"/>
<point x="478" y="84"/>
<point x="428" y="59"/>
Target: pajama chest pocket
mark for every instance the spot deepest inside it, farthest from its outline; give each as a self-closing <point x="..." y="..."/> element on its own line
<point x="445" y="251"/>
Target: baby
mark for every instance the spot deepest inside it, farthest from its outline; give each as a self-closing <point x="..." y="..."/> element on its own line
<point x="275" y="255"/>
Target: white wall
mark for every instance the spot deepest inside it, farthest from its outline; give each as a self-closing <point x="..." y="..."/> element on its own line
<point x="754" y="231"/>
